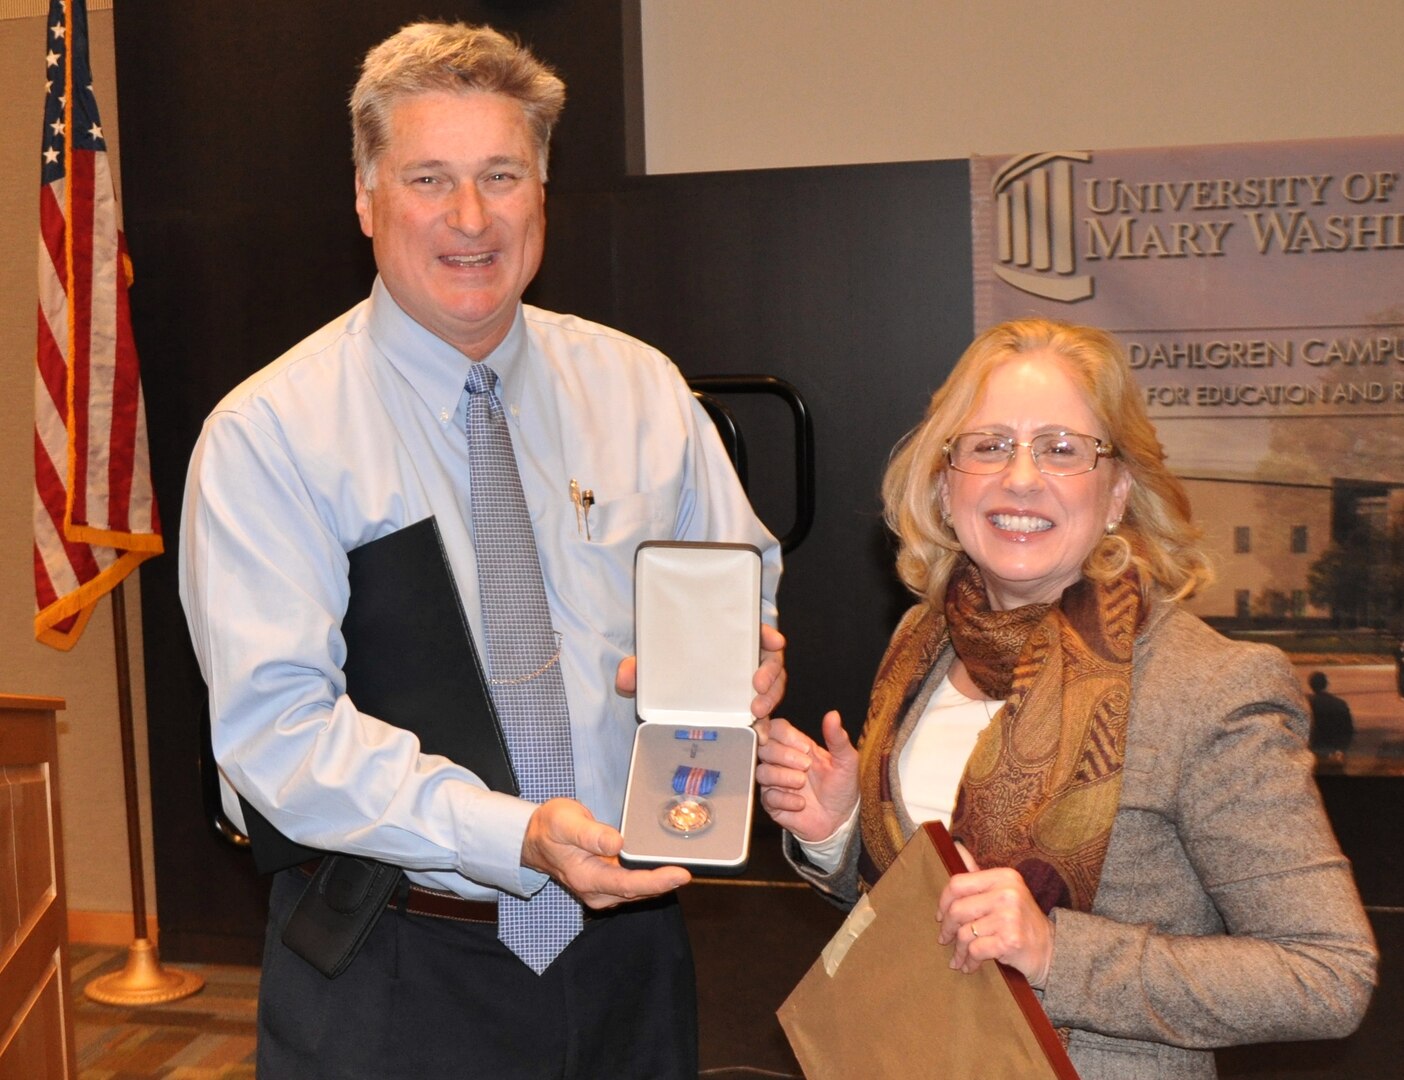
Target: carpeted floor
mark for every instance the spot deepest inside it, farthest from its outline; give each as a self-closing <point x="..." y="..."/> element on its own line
<point x="740" y="985"/>
<point x="210" y="1035"/>
<point x="207" y="1036"/>
<point x="753" y="939"/>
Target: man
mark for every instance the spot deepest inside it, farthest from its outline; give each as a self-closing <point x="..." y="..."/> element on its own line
<point x="1332" y="726"/>
<point x="359" y="431"/>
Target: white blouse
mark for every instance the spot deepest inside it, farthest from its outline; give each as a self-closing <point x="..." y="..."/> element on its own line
<point x="929" y="766"/>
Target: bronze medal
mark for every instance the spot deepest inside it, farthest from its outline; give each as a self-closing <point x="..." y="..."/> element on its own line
<point x="687" y="814"/>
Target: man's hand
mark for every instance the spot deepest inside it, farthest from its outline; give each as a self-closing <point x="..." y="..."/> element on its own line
<point x="564" y="840"/>
<point x="768" y="681"/>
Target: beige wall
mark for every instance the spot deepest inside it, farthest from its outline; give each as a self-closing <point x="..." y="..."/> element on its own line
<point x="741" y="84"/>
<point x="90" y="749"/>
<point x="732" y="84"/>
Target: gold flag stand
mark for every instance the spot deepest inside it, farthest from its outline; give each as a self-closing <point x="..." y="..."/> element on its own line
<point x="143" y="981"/>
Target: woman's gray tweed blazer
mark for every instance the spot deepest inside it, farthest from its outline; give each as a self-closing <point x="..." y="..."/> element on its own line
<point x="1226" y="912"/>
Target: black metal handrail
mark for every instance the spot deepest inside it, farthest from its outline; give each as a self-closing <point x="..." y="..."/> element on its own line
<point x="711" y="385"/>
<point x="725" y="422"/>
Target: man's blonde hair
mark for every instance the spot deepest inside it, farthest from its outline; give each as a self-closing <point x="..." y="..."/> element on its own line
<point x="457" y="58"/>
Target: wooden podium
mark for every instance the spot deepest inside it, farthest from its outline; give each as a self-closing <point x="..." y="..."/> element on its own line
<point x="36" y="1007"/>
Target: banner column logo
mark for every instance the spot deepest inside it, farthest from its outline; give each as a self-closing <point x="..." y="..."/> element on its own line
<point x="1034" y="218"/>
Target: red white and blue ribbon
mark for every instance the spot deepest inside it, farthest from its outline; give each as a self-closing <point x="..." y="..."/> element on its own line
<point x="694" y="781"/>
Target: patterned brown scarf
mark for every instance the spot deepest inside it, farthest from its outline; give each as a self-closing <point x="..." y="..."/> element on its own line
<point x="1041" y="788"/>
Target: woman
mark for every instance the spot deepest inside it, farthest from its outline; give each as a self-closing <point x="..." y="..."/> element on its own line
<point x="1137" y="788"/>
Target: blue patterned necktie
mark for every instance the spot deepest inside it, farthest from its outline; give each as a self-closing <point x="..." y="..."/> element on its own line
<point x="523" y="660"/>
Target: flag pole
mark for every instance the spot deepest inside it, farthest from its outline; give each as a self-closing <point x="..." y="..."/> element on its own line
<point x="143" y="981"/>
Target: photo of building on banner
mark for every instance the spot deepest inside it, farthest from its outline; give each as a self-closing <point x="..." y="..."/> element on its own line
<point x="1259" y="291"/>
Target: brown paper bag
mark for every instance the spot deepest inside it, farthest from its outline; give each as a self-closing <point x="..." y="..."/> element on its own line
<point x="881" y="1001"/>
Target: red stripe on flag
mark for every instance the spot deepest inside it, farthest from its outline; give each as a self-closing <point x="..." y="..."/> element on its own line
<point x="51" y="231"/>
<point x="48" y="595"/>
<point x="52" y="373"/>
<point x="80" y="233"/>
<point x="47" y="478"/>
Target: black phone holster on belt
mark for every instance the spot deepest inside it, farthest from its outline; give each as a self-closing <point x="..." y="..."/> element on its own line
<point x="338" y="909"/>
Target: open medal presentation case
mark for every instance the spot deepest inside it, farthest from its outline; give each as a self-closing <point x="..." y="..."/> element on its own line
<point x="697" y="639"/>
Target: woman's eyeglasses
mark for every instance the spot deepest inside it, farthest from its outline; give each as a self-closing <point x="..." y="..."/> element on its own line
<point x="1055" y="453"/>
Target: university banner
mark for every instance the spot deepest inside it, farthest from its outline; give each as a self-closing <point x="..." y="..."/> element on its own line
<point x="1259" y="291"/>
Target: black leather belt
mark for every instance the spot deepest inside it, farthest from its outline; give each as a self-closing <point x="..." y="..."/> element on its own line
<point x="435" y="903"/>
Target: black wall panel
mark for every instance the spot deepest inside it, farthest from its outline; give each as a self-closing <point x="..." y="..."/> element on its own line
<point x="852" y="284"/>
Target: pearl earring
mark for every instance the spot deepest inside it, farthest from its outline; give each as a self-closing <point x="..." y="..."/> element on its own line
<point x="1111" y="527"/>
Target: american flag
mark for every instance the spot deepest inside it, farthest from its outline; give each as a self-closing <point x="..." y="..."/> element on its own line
<point x="95" y="515"/>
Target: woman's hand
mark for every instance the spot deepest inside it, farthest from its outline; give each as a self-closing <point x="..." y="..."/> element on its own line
<point x="808" y="789"/>
<point x="991" y="915"/>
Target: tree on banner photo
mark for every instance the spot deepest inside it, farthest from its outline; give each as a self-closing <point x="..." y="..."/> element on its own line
<point x="95" y="517"/>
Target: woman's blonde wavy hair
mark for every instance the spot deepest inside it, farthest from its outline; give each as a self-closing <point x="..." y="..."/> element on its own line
<point x="1156" y="533"/>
